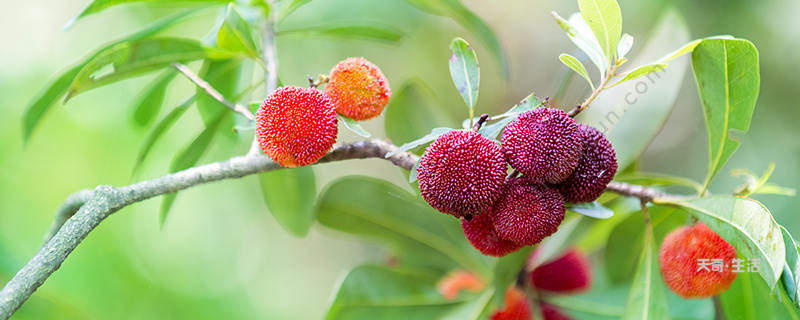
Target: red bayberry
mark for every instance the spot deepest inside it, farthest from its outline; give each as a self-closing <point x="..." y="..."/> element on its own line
<point x="551" y="312"/>
<point x="481" y="234"/>
<point x="296" y="126"/>
<point x="517" y="307"/>
<point x="597" y="167"/>
<point x="680" y="258"/>
<point x="527" y="213"/>
<point x="453" y="283"/>
<point x="461" y="173"/>
<point x="358" y="89"/>
<point x="566" y="274"/>
<point x="544" y="144"/>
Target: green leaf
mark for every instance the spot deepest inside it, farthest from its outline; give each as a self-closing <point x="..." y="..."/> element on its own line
<point x="59" y="87"/>
<point x="374" y="292"/>
<point x="554" y="245"/>
<point x="224" y="76"/>
<point x="639" y="72"/>
<point x="604" y="17"/>
<point x="632" y="114"/>
<point x="187" y="158"/>
<point x="744" y="223"/>
<point x="414" y="103"/>
<point x="687" y="48"/>
<point x="435" y="133"/>
<point x="581" y="35"/>
<point x="132" y="58"/>
<point x="624" y="46"/>
<point x="647" y="299"/>
<point x="748" y="298"/>
<point x="506" y="271"/>
<point x="291" y="7"/>
<point x="234" y="34"/>
<point x="573" y="63"/>
<point x="377" y="210"/>
<point x="791" y="271"/>
<point x="477" y="309"/>
<point x="728" y="81"/>
<point x="158" y="131"/>
<point x="149" y="102"/>
<point x="468" y="20"/>
<point x="349" y="30"/>
<point x="289" y="195"/>
<point x="100" y="5"/>
<point x="592" y="209"/>
<point x="354" y="126"/>
<point x="658" y="179"/>
<point x="465" y="72"/>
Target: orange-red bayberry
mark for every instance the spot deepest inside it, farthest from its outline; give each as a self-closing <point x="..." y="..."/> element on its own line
<point x="358" y="89"/>
<point x="461" y="173"/>
<point x="517" y="307"/>
<point x="296" y="126"/>
<point x="596" y="169"/>
<point x="450" y="285"/>
<point x="551" y="312"/>
<point x="680" y="256"/>
<point x="567" y="274"/>
<point x="527" y="213"/>
<point x="544" y="144"/>
<point x="481" y="234"/>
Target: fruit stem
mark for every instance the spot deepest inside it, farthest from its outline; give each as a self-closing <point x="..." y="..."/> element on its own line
<point x="480" y="122"/>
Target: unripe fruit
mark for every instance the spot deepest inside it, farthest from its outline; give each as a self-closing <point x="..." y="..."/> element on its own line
<point x="296" y="126"/>
<point x="679" y="257"/>
<point x="596" y="168"/>
<point x="358" y="89"/>
<point x="568" y="274"/>
<point x="481" y="234"/>
<point x="527" y="213"/>
<point x="544" y="144"/>
<point x="517" y="307"/>
<point x="461" y="173"/>
<point x="551" y="312"/>
<point x="453" y="283"/>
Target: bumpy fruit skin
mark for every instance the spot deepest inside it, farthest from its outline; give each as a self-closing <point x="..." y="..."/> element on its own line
<point x="595" y="170"/>
<point x="679" y="256"/>
<point x="481" y="234"/>
<point x="527" y="213"/>
<point x="569" y="273"/>
<point x="461" y="173"/>
<point x="551" y="312"/>
<point x="296" y="126"/>
<point x="517" y="307"/>
<point x="544" y="144"/>
<point x="450" y="285"/>
<point x="358" y="89"/>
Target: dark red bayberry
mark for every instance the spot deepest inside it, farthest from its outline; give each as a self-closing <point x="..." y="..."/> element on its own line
<point x="481" y="234"/>
<point x="596" y="168"/>
<point x="566" y="274"/>
<point x="527" y="213"/>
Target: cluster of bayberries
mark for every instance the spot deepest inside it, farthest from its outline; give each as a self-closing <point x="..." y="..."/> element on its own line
<point x="297" y="126"/>
<point x="463" y="173"/>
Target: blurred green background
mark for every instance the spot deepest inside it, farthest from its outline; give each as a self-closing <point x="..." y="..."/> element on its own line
<point x="221" y="254"/>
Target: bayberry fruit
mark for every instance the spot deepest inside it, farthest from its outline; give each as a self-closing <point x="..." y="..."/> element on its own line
<point x="358" y="89"/>
<point x="453" y="283"/>
<point x="296" y="126"/>
<point x="596" y="168"/>
<point x="461" y="173"/>
<point x="567" y="274"/>
<point x="544" y="144"/>
<point x="517" y="307"/>
<point x="681" y="253"/>
<point x="481" y="234"/>
<point x="526" y="212"/>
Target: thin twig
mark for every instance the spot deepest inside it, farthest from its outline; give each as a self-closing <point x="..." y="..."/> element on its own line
<point x="212" y="92"/>
<point x="574" y="112"/>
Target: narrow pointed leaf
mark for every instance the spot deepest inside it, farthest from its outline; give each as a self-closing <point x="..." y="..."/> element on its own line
<point x="234" y="34"/>
<point x="573" y="63"/>
<point x="581" y="35"/>
<point x="149" y="102"/>
<point x="224" y="76"/>
<point x="100" y="5"/>
<point x="639" y="72"/>
<point x="292" y="6"/>
<point x="624" y="46"/>
<point x="592" y="209"/>
<point x="728" y="80"/>
<point x="791" y="272"/>
<point x="348" y="30"/>
<point x="647" y="299"/>
<point x="604" y="17"/>
<point x="435" y="133"/>
<point x="159" y="129"/>
<point x="465" y="72"/>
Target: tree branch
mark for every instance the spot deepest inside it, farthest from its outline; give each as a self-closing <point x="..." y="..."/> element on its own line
<point x="213" y="92"/>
